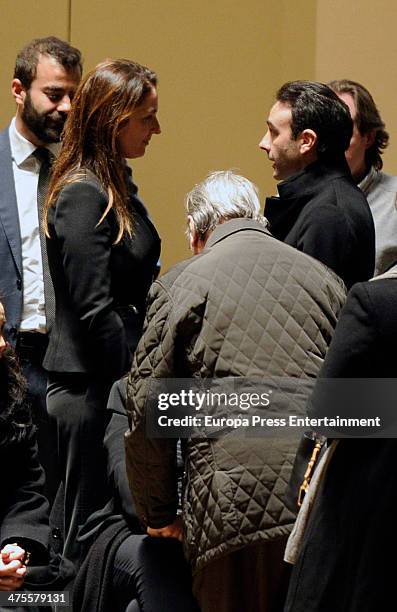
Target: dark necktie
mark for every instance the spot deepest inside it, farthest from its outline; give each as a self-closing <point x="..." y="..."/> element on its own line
<point x="45" y="157"/>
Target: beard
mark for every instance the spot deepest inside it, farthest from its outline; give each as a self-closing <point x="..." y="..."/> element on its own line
<point x="47" y="127"/>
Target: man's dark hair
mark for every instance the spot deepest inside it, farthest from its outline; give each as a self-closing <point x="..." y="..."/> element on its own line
<point x="367" y="119"/>
<point x="26" y="63"/>
<point x="316" y="107"/>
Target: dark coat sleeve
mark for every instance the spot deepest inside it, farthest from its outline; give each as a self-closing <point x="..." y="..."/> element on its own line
<point x="24" y="509"/>
<point x="346" y="384"/>
<point x="354" y="342"/>
<point x="85" y="246"/>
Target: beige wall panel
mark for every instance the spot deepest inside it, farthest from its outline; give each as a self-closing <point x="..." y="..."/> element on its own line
<point x="357" y="40"/>
<point x="297" y="41"/>
<point x="22" y="20"/>
<point x="220" y="63"/>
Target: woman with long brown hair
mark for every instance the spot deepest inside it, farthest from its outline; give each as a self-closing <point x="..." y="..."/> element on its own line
<point x="103" y="252"/>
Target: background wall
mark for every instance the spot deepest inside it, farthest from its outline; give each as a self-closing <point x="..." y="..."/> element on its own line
<point x="357" y="40"/>
<point x="220" y="63"/>
<point x="20" y="21"/>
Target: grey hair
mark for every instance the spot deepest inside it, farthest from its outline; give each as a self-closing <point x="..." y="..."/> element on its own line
<point x="223" y="195"/>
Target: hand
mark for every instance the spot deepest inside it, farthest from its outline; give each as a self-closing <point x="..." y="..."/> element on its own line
<point x="12" y="569"/>
<point x="174" y="530"/>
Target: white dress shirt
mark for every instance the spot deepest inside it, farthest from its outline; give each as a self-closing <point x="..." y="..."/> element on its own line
<point x="26" y="176"/>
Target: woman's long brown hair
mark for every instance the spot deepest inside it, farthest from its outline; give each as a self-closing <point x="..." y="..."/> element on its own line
<point x="104" y="100"/>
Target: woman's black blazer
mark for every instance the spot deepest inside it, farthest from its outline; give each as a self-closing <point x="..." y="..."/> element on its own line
<point x="100" y="287"/>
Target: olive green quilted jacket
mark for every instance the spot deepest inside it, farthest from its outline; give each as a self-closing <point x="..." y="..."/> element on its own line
<point x="247" y="306"/>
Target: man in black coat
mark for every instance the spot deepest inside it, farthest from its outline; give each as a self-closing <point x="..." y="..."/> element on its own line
<point x="343" y="563"/>
<point x="319" y="210"/>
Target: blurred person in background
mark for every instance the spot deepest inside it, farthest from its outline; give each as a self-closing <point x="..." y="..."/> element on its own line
<point x="23" y="507"/>
<point x="364" y="156"/>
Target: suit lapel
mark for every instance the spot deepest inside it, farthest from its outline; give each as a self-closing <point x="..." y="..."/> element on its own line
<point x="8" y="202"/>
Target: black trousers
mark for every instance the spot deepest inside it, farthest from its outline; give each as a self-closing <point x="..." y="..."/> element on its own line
<point x="151" y="574"/>
<point x="76" y="407"/>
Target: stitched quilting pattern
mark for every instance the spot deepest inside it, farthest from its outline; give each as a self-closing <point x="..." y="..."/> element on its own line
<point x="249" y="307"/>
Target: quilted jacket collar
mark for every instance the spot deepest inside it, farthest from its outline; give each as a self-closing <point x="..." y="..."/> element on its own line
<point x="232" y="227"/>
<point x="297" y="191"/>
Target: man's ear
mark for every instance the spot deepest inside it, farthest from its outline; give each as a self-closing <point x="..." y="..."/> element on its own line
<point x="18" y="91"/>
<point x="195" y="242"/>
<point x="193" y="238"/>
<point x="370" y="138"/>
<point x="307" y="141"/>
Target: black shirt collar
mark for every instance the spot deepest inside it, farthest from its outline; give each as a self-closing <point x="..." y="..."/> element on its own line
<point x="297" y="191"/>
<point x="312" y="177"/>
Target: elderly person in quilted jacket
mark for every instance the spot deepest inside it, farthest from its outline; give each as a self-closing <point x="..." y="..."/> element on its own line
<point x="246" y="305"/>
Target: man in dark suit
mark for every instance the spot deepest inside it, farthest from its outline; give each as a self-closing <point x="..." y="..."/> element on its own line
<point x="46" y="76"/>
<point x="319" y="210"/>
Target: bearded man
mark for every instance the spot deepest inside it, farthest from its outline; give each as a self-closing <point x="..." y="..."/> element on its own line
<point x="47" y="73"/>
